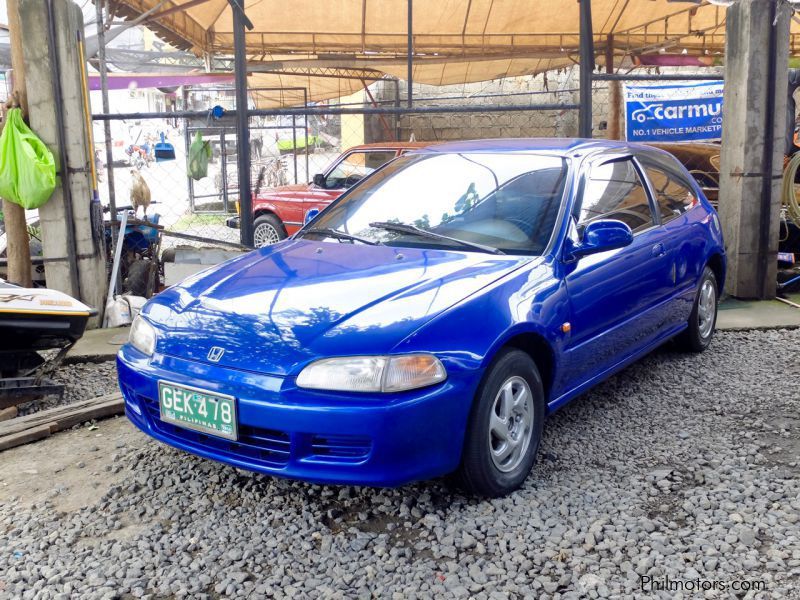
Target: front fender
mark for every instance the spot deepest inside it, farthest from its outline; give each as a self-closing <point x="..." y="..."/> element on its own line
<point x="469" y="334"/>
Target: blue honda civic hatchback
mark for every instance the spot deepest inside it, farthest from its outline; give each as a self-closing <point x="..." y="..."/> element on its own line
<point x="429" y="320"/>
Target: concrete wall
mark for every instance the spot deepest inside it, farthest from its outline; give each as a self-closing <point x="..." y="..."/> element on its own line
<point x="90" y="250"/>
<point x="553" y="87"/>
<point x="547" y="88"/>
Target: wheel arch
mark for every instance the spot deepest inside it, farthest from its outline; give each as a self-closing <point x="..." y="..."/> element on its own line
<point x="535" y="345"/>
<point x="267" y="211"/>
<point x="717" y="264"/>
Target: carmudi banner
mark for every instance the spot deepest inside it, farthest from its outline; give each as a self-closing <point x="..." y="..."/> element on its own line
<point x="673" y="113"/>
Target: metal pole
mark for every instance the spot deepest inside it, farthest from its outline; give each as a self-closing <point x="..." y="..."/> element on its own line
<point x="305" y="117"/>
<point x="396" y="106"/>
<point x="112" y="282"/>
<point x="294" y="145"/>
<point x="586" y="68"/>
<point x="186" y="142"/>
<point x="101" y="56"/>
<point x="410" y="52"/>
<point x="657" y="77"/>
<point x="223" y="169"/>
<point x="242" y="130"/>
<point x="324" y="111"/>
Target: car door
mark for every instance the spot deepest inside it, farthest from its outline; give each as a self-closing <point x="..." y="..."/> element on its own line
<point x="614" y="296"/>
<point x="345" y="173"/>
<point x="674" y="197"/>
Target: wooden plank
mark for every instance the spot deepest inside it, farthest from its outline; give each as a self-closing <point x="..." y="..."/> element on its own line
<point x="79" y="415"/>
<point x="108" y="409"/>
<point x="29" y="435"/>
<point x="29" y="432"/>
<point x="64" y="408"/>
<point x="59" y="413"/>
<point x="8" y="413"/>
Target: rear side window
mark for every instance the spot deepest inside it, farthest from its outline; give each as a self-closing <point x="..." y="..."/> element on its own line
<point x="613" y="190"/>
<point x="673" y="196"/>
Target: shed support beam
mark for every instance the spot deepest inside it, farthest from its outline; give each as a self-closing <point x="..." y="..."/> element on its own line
<point x="754" y="118"/>
<point x="240" y="21"/>
<point x="69" y="239"/>
<point x="586" y="68"/>
<point x="614" y="94"/>
<point x="410" y="53"/>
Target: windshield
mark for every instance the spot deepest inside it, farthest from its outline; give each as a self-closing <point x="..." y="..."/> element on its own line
<point x="508" y="202"/>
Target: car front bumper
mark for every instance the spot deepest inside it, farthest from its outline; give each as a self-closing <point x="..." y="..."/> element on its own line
<point x="309" y="435"/>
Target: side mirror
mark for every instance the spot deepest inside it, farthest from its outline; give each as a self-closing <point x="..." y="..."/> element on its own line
<point x="319" y="180"/>
<point x="599" y="236"/>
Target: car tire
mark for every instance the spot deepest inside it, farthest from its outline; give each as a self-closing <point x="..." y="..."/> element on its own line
<point x="697" y="336"/>
<point x="267" y="230"/>
<point x="497" y="458"/>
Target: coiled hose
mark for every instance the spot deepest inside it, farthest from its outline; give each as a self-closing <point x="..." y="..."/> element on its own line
<point x="789" y="197"/>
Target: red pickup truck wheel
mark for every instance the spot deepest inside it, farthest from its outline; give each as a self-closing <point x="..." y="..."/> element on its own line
<point x="267" y="230"/>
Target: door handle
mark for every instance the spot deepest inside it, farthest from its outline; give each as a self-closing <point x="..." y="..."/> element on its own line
<point x="658" y="250"/>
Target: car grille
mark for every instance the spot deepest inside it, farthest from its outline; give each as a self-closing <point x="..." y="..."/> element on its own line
<point x="266" y="446"/>
<point x="269" y="447"/>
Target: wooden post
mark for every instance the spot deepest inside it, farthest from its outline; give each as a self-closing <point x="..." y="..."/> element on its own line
<point x="18" y="249"/>
<point x="614" y="94"/>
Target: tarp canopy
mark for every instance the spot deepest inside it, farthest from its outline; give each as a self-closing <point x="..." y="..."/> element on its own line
<point x="270" y="90"/>
<point x="455" y="41"/>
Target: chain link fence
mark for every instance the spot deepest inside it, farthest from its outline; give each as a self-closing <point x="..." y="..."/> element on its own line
<point x="288" y="147"/>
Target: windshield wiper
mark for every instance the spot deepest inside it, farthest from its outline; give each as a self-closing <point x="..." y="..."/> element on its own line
<point x="414" y="230"/>
<point x="339" y="235"/>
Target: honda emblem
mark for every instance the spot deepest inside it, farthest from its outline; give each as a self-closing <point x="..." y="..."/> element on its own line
<point x="215" y="354"/>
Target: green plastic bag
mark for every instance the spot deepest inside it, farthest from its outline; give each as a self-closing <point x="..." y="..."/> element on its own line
<point x="27" y="168"/>
<point x="199" y="155"/>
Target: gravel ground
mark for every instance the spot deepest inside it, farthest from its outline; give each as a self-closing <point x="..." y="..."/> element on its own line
<point x="681" y="467"/>
<point x="81" y="380"/>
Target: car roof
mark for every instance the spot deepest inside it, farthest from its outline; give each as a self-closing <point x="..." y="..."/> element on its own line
<point x="391" y="146"/>
<point x="557" y="146"/>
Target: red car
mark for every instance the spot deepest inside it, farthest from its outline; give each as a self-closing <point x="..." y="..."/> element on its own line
<point x="280" y="212"/>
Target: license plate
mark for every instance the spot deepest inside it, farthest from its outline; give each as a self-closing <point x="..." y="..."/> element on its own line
<point x="201" y="410"/>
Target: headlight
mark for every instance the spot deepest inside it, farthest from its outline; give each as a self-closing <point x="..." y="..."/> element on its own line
<point x="373" y="373"/>
<point x="143" y="336"/>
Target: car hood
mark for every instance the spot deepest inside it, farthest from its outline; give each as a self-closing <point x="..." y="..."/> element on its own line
<point x="277" y="308"/>
<point x="300" y="191"/>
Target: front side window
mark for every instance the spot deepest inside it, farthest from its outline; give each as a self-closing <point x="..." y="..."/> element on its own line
<point x="673" y="197"/>
<point x="613" y="190"/>
<point x="355" y="166"/>
<point x="509" y="202"/>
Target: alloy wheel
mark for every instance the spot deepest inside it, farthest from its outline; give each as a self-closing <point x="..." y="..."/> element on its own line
<point x="510" y="423"/>
<point x="706" y="309"/>
<point x="265" y="234"/>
